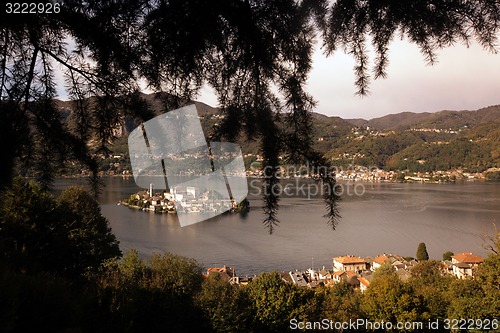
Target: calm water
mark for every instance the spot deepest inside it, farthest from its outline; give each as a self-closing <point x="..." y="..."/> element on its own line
<point x="386" y="217"/>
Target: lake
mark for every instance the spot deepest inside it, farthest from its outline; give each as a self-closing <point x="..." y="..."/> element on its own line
<point x="376" y="218"/>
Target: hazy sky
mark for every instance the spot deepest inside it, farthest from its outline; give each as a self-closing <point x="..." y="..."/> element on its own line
<point x="463" y="79"/>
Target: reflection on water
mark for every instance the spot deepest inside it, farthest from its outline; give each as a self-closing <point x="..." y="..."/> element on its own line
<point x="388" y="217"/>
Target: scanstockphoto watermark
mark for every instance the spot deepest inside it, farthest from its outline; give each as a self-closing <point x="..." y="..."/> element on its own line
<point x="368" y="325"/>
<point x="306" y="189"/>
<point x="357" y="324"/>
<point x="287" y="171"/>
<point x="298" y="181"/>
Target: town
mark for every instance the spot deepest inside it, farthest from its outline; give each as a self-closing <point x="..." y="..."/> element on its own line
<point x="118" y="165"/>
<point x="358" y="173"/>
<point x="358" y="272"/>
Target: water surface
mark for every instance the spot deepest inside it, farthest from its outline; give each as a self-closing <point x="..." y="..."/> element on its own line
<point x="387" y="217"/>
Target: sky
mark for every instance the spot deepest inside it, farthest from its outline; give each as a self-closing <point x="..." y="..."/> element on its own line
<point x="462" y="79"/>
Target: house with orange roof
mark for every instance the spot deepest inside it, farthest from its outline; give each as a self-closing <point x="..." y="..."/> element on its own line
<point x="378" y="261"/>
<point x="225" y="272"/>
<point x="351" y="278"/>
<point x="337" y="276"/>
<point x="363" y="284"/>
<point x="349" y="263"/>
<point x="465" y="264"/>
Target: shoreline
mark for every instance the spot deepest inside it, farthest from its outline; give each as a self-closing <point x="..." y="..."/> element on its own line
<point x="338" y="179"/>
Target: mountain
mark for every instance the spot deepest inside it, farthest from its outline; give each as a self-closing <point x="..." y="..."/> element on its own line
<point x="440" y="120"/>
<point x="358" y="122"/>
<point x="417" y="142"/>
<point x="424" y="142"/>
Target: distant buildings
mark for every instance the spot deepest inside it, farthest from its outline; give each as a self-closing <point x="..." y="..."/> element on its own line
<point x="186" y="199"/>
<point x="379" y="261"/>
<point x="349" y="263"/>
<point x="465" y="264"/>
<point x="358" y="272"/>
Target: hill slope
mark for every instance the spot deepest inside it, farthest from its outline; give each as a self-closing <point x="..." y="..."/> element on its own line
<point x="444" y="140"/>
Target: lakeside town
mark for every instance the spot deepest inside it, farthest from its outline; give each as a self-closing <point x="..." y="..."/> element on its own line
<point x="118" y="165"/>
<point x="360" y="173"/>
<point x="358" y="272"/>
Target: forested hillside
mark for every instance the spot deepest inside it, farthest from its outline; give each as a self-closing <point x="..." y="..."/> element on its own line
<point x="416" y="142"/>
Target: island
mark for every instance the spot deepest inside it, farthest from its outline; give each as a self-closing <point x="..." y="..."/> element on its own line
<point x="187" y="199"/>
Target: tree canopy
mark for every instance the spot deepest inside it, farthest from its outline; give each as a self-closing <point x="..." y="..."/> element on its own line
<point x="422" y="253"/>
<point x="68" y="236"/>
<point x="255" y="54"/>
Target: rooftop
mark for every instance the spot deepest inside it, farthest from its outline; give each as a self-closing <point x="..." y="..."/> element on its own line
<point x="468" y="257"/>
<point x="349" y="260"/>
<point x="364" y="281"/>
<point x="381" y="259"/>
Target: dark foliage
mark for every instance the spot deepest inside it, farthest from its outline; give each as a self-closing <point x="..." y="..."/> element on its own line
<point x="168" y="293"/>
<point x="68" y="236"/>
<point x="422" y="252"/>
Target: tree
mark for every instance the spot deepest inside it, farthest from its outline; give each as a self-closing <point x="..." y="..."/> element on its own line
<point x="489" y="276"/>
<point x="467" y="299"/>
<point x="385" y="270"/>
<point x="243" y="49"/>
<point x="478" y="297"/>
<point x="391" y="300"/>
<point x="39" y="233"/>
<point x="491" y="242"/>
<point x="42" y="302"/>
<point x="88" y="231"/>
<point x="339" y="302"/>
<point x="145" y="295"/>
<point x="422" y="252"/>
<point x="276" y="302"/>
<point x="447" y="255"/>
<point x="31" y="235"/>
<point x="429" y="283"/>
<point x="227" y="307"/>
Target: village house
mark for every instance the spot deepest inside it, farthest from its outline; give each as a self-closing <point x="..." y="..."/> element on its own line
<point x="298" y="278"/>
<point x="378" y="261"/>
<point x="337" y="276"/>
<point x="398" y="264"/>
<point x="244" y="280"/>
<point x="225" y="272"/>
<point x="350" y="277"/>
<point x="447" y="267"/>
<point x="401" y="266"/>
<point x="349" y="263"/>
<point x="324" y="274"/>
<point x="286" y="277"/>
<point x="363" y="284"/>
<point x="465" y="264"/>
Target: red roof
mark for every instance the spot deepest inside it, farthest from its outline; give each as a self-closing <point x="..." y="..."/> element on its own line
<point x="364" y="281"/>
<point x="351" y="274"/>
<point x="380" y="259"/>
<point x="468" y="257"/>
<point x="349" y="260"/>
<point x="224" y="269"/>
